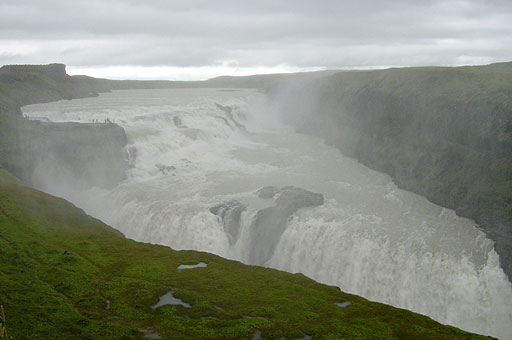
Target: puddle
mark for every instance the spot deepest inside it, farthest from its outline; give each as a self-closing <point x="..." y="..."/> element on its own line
<point x="256" y="335"/>
<point x="191" y="266"/>
<point x="209" y="318"/>
<point x="343" y="304"/>
<point x="168" y="299"/>
<point x="149" y="333"/>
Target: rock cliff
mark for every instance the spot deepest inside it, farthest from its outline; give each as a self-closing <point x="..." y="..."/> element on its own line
<point x="59" y="155"/>
<point x="445" y="133"/>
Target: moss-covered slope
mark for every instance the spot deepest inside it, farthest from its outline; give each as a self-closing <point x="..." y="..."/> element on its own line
<point x="66" y="275"/>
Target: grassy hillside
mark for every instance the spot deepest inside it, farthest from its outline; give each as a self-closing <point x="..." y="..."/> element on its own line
<point x="442" y="132"/>
<point x="66" y="275"/>
<point x="30" y="84"/>
<point x="27" y="84"/>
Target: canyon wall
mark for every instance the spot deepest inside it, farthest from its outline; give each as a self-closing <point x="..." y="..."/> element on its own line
<point x="445" y="133"/>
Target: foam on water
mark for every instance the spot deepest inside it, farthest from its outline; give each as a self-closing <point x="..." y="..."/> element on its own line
<point x="369" y="237"/>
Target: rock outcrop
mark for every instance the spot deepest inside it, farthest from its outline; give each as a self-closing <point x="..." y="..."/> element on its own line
<point x="73" y="156"/>
<point x="270" y="223"/>
<point x="228" y="110"/>
<point x="230" y="213"/>
<point x="61" y="155"/>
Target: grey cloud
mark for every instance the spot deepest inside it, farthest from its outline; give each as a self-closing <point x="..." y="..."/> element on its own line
<point x="255" y="33"/>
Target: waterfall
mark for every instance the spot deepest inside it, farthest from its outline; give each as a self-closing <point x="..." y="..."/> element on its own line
<point x="200" y="158"/>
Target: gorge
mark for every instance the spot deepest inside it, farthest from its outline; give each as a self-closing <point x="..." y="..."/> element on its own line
<point x="224" y="171"/>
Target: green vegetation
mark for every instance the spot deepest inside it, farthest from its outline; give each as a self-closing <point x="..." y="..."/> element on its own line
<point x="3" y="324"/>
<point x="66" y="275"/>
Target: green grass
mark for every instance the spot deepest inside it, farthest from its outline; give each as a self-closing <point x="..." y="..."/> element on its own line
<point x="59" y="267"/>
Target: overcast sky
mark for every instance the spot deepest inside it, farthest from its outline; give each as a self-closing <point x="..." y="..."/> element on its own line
<point x="198" y="39"/>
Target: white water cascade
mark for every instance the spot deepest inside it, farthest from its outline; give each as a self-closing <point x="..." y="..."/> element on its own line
<point x="199" y="158"/>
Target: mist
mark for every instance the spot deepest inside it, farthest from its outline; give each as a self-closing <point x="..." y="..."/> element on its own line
<point x="65" y="158"/>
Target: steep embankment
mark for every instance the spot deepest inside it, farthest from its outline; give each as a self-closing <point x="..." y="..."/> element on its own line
<point x="445" y="133"/>
<point x="32" y="84"/>
<point x="80" y="155"/>
<point x="66" y="275"/>
<point x="29" y="84"/>
<point x="53" y="155"/>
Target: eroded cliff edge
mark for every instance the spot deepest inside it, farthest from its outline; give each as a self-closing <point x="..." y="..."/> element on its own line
<point x="49" y="155"/>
